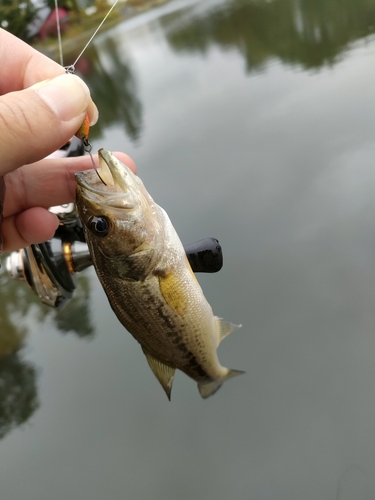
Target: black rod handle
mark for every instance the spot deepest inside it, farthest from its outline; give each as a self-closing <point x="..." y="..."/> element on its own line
<point x="205" y="256"/>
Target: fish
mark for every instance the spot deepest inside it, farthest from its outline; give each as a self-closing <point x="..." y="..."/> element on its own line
<point x="143" y="269"/>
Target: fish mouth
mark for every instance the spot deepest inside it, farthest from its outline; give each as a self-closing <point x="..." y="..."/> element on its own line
<point x="112" y="179"/>
<point x="107" y="167"/>
<point x="111" y="176"/>
<point x="113" y="172"/>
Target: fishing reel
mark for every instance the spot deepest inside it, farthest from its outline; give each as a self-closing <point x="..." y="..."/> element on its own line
<point x="51" y="268"/>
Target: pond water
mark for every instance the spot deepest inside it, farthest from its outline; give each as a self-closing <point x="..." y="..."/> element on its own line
<point x="253" y="122"/>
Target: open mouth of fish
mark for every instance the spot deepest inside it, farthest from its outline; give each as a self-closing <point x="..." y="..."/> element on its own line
<point x="112" y="181"/>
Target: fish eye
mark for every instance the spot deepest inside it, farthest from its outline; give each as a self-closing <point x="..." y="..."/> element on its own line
<point x="99" y="226"/>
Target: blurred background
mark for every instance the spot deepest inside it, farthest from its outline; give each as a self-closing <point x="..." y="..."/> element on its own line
<point x="251" y="121"/>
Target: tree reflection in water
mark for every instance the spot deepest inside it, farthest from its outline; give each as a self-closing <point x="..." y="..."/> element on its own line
<point x="310" y="33"/>
<point x="18" y="377"/>
<point x="18" y="392"/>
<point x="114" y="88"/>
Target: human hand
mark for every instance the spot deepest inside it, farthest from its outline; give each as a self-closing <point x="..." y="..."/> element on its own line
<point x="41" y="108"/>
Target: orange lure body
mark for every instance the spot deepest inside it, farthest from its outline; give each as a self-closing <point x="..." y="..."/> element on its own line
<point x="83" y="131"/>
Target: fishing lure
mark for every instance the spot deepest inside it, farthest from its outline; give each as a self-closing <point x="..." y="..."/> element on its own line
<point x="84" y="130"/>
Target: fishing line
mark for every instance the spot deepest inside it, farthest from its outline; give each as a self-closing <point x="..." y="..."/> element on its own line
<point x="59" y="33"/>
<point x="71" y="68"/>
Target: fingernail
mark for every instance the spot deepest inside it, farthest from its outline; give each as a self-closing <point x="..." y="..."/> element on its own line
<point x="67" y="95"/>
<point x="93" y="114"/>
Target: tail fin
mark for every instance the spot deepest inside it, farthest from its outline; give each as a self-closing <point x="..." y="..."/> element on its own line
<point x="208" y="389"/>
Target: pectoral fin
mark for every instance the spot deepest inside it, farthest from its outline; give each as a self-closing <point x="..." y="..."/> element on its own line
<point x="224" y="328"/>
<point x="164" y="373"/>
<point x="174" y="293"/>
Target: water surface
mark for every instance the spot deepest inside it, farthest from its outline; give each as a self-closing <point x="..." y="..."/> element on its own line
<point x="253" y="122"/>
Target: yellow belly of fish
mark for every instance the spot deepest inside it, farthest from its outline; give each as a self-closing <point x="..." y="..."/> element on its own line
<point x="170" y="317"/>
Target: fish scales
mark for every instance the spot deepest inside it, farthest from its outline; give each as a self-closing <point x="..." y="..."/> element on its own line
<point x="143" y="307"/>
<point x="142" y="266"/>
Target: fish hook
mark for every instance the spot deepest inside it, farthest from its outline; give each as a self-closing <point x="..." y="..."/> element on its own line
<point x="87" y="147"/>
<point x="83" y="134"/>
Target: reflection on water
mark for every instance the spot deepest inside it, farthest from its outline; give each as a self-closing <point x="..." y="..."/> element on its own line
<point x="18" y="377"/>
<point x="306" y="32"/>
<point x="113" y="85"/>
<point x="310" y="33"/>
<point x="18" y="391"/>
<point x="16" y="302"/>
<point x="295" y="217"/>
<point x="75" y="317"/>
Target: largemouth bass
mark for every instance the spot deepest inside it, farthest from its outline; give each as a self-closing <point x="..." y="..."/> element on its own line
<point x="142" y="266"/>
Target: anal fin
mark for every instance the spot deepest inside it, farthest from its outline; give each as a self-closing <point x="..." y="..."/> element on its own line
<point x="164" y="373"/>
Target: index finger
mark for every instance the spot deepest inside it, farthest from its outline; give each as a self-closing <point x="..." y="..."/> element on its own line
<point x="48" y="182"/>
<point x="23" y="65"/>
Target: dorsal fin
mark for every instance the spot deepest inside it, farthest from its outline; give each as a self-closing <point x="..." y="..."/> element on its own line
<point x="224" y="328"/>
<point x="164" y="373"/>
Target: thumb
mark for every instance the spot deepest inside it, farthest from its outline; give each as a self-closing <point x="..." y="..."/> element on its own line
<point x="38" y="120"/>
